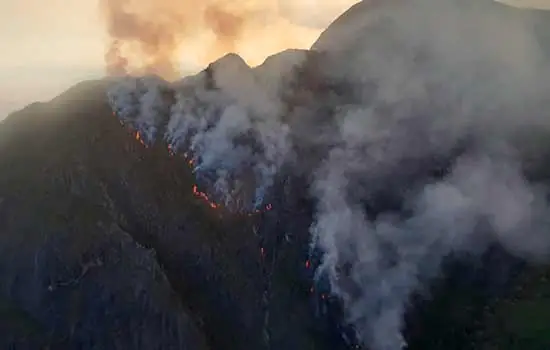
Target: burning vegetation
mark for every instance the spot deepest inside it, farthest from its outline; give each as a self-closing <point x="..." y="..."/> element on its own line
<point x="310" y="267"/>
<point x="191" y="163"/>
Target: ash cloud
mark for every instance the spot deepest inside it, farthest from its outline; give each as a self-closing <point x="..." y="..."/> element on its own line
<point x="150" y="37"/>
<point x="445" y="114"/>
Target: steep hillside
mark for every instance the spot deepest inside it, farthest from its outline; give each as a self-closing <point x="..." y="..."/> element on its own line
<point x="71" y="268"/>
<point x="102" y="237"/>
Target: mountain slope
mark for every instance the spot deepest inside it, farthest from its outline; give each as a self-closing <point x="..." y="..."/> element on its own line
<point x="62" y="240"/>
<point x="110" y="235"/>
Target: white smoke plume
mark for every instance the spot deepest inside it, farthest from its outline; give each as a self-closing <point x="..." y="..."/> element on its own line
<point x="450" y="84"/>
<point x="447" y="75"/>
<point x="226" y="118"/>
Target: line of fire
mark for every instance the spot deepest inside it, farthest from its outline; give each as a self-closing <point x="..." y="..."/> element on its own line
<point x="309" y="265"/>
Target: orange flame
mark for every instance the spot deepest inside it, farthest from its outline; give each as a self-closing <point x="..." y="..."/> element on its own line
<point x="138" y="137"/>
<point x="196" y="192"/>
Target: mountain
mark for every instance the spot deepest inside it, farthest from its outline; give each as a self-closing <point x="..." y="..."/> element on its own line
<point x="392" y="178"/>
<point x="102" y="237"/>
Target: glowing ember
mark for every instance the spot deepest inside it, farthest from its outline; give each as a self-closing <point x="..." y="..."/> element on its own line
<point x="138" y="137"/>
<point x="203" y="196"/>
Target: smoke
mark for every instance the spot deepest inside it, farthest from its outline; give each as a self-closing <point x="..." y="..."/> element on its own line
<point x="375" y="265"/>
<point x="152" y="37"/>
<point x="438" y="115"/>
<point x="226" y="119"/>
<point x="461" y="81"/>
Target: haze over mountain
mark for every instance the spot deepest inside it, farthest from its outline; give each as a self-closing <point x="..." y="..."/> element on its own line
<point x="387" y="187"/>
<point x="49" y="48"/>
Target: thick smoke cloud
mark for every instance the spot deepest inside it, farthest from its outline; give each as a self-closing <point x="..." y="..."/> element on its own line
<point x="444" y="111"/>
<point x="450" y="77"/>
<point x="147" y="37"/>
<point x="226" y="119"/>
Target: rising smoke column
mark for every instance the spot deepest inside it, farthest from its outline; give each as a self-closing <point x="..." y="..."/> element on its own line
<point x="454" y="80"/>
<point x="232" y="131"/>
<point x="150" y="37"/>
<point x="374" y="265"/>
<point x="147" y="34"/>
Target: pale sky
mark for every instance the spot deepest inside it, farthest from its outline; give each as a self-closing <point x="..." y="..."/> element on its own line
<point x="49" y="45"/>
<point x="46" y="46"/>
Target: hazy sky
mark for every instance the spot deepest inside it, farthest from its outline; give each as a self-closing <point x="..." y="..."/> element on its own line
<point x="48" y="45"/>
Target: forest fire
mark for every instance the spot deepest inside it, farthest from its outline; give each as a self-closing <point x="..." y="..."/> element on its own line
<point x="140" y="139"/>
<point x="191" y="162"/>
<point x="204" y="196"/>
<point x="171" y="151"/>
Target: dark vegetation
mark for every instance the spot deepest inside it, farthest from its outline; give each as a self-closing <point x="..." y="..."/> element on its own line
<point x="105" y="246"/>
